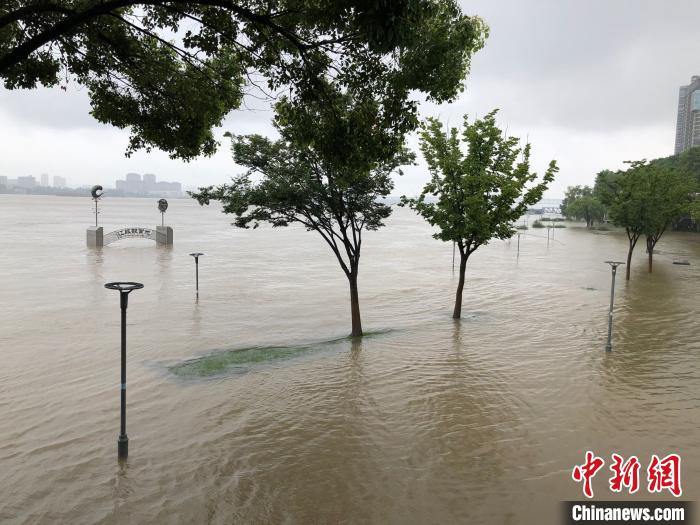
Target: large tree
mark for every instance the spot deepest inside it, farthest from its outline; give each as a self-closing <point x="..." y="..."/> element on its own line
<point x="580" y="203"/>
<point x="669" y="196"/>
<point x="329" y="172"/>
<point x="171" y="70"/>
<point x="645" y="200"/>
<point x="476" y="196"/>
<point x="626" y="203"/>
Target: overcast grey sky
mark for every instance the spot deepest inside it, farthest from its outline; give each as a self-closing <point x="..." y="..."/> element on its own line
<point x="590" y="83"/>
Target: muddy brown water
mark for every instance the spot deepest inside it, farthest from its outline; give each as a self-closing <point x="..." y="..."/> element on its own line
<point x="252" y="406"/>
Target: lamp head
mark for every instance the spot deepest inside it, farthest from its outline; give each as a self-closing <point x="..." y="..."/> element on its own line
<point x="96" y="192"/>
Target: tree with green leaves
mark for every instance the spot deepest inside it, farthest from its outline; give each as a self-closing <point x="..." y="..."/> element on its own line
<point x="626" y="202"/>
<point x="170" y="71"/>
<point x="580" y="203"/>
<point x="645" y="200"/>
<point x="476" y="196"/>
<point x="329" y="171"/>
<point x="670" y="196"/>
<point x="605" y="187"/>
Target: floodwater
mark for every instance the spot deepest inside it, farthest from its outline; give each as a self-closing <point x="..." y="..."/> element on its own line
<point x="251" y="405"/>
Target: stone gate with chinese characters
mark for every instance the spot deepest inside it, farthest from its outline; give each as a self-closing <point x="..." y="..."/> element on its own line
<point x="96" y="237"/>
<point x="160" y="234"/>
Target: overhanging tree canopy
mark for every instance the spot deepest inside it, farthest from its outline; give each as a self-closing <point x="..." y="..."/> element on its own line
<point x="171" y="70"/>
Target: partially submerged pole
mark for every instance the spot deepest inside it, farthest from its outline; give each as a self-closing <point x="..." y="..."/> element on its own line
<point x="124" y="289"/>
<point x="613" y="265"/>
<point x="196" y="256"/>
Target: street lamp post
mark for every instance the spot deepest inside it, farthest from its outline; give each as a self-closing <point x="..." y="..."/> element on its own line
<point x="96" y="192"/>
<point x="162" y="206"/>
<point x="124" y="289"/>
<point x="613" y="265"/>
<point x="196" y="256"/>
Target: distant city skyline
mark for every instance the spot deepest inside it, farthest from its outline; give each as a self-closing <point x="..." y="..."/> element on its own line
<point x="133" y="183"/>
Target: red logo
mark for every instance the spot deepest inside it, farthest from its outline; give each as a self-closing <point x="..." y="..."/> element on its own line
<point x="662" y="474"/>
<point x="665" y="474"/>
<point x="586" y="472"/>
<point x="625" y="474"/>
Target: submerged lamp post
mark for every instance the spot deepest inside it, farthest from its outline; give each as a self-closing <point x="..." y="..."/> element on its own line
<point x="124" y="289"/>
<point x="196" y="256"/>
<point x="96" y="192"/>
<point x="162" y="206"/>
<point x="613" y="265"/>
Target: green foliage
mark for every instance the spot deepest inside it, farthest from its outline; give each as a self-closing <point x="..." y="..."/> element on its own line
<point x="686" y="164"/>
<point x="605" y="187"/>
<point x="694" y="209"/>
<point x="329" y="171"/>
<point x="538" y="224"/>
<point x="645" y="200"/>
<point x="171" y="71"/>
<point x="479" y="194"/>
<point x="580" y="203"/>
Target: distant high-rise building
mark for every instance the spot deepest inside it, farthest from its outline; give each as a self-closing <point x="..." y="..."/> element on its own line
<point x="688" y="123"/>
<point x="148" y="186"/>
<point x="59" y="182"/>
<point x="45" y="180"/>
<point x="27" y="182"/>
<point x="3" y="182"/>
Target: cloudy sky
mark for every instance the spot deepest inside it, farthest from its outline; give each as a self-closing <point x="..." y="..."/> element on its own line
<point x="591" y="84"/>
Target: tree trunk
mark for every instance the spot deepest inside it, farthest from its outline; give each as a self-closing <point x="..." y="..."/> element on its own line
<point x="457" y="313"/>
<point x="355" y="305"/>
<point x="650" y="251"/>
<point x="633" y="242"/>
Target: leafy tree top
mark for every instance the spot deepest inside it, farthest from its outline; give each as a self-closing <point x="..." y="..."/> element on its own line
<point x="329" y="171"/>
<point x="476" y="196"/>
<point x="648" y="197"/>
<point x="580" y="202"/>
<point x="170" y="71"/>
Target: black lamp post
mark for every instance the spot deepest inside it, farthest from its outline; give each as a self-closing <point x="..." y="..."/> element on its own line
<point x="613" y="265"/>
<point x="124" y="289"/>
<point x="196" y="256"/>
